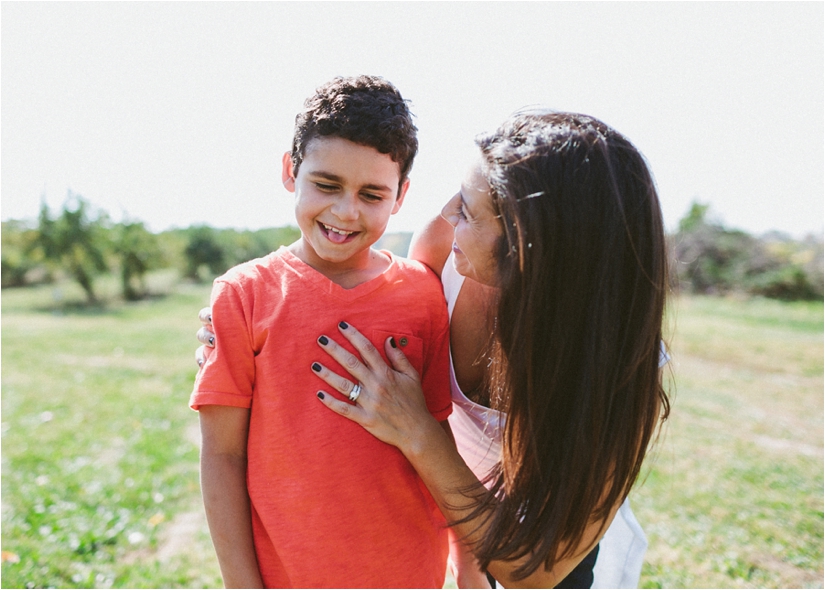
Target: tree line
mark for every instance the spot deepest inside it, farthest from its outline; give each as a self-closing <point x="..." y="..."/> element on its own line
<point x="708" y="258"/>
<point x="82" y="242"/>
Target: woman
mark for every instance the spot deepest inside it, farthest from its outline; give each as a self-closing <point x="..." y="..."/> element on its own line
<point x="555" y="342"/>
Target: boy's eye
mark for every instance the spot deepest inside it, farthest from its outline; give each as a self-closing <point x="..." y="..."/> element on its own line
<point x="325" y="187"/>
<point x="372" y="198"/>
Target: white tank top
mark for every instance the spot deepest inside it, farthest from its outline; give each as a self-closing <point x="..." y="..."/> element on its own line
<point x="478" y="432"/>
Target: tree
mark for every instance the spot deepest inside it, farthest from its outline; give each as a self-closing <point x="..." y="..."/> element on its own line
<point x="20" y="255"/>
<point x="139" y="251"/>
<point x="76" y="241"/>
<point x="203" y="248"/>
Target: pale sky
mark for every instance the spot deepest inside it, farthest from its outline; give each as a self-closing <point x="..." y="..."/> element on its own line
<point x="178" y="113"/>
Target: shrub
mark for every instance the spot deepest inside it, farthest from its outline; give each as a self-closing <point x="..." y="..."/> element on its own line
<point x="710" y="259"/>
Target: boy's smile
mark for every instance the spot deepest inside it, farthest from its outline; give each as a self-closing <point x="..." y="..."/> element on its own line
<point x="344" y="195"/>
<point x="339" y="236"/>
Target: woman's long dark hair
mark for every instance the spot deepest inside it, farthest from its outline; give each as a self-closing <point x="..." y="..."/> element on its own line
<point x="576" y="350"/>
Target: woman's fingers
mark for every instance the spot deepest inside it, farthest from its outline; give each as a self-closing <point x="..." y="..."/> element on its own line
<point x="398" y="359"/>
<point x="206" y="337"/>
<point x="345" y="358"/>
<point x="353" y="412"/>
<point x="371" y="356"/>
<point x="202" y="354"/>
<point x="390" y="403"/>
<point x="362" y="344"/>
<point x="205" y="317"/>
<point x="334" y="380"/>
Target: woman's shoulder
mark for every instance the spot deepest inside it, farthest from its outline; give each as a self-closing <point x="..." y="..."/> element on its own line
<point x="431" y="244"/>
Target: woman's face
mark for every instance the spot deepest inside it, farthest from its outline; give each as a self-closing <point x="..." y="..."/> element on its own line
<point x="476" y="227"/>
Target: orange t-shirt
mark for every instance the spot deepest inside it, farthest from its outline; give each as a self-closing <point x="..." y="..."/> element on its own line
<point x="332" y="506"/>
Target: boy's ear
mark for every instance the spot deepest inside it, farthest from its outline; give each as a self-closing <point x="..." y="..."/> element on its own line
<point x="287" y="172"/>
<point x="401" y="194"/>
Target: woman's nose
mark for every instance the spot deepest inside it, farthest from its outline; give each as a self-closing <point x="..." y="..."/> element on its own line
<point x="450" y="211"/>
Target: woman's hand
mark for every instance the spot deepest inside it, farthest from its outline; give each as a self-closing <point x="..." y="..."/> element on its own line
<point x="205" y="336"/>
<point x="390" y="404"/>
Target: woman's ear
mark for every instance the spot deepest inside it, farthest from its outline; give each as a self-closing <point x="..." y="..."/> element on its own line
<point x="287" y="172"/>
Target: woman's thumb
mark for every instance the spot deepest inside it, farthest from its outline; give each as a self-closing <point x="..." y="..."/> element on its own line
<point x="398" y="359"/>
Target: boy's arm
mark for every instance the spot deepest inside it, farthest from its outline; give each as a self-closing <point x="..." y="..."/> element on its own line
<point x="224" y="430"/>
<point x="463" y="564"/>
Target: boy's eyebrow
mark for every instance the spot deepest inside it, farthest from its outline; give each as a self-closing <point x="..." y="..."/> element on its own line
<point x="338" y="179"/>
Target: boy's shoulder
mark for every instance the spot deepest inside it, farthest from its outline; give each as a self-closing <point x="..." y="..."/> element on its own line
<point x="417" y="279"/>
<point x="254" y="270"/>
<point x="414" y="269"/>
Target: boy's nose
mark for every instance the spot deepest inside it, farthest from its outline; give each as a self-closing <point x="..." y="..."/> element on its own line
<point x="346" y="208"/>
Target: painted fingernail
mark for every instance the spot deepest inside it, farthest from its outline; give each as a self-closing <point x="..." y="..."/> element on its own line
<point x="320" y="395"/>
<point x="343" y="325"/>
<point x="316" y="367"/>
<point x="392" y="342"/>
<point x="212" y="340"/>
<point x="323" y="340"/>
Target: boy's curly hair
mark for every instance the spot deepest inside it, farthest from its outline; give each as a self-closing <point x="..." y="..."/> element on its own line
<point x="366" y="110"/>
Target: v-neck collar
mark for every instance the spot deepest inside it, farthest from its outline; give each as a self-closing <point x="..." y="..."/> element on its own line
<point x="327" y="286"/>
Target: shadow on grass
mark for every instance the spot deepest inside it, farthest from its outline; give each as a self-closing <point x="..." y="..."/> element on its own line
<point x="101" y="307"/>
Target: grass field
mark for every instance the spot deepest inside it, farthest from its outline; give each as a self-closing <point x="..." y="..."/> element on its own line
<point x="99" y="461"/>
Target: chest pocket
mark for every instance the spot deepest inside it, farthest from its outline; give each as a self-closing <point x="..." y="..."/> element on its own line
<point x="411" y="346"/>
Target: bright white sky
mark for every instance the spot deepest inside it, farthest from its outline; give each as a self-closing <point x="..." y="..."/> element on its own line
<point x="178" y="113"/>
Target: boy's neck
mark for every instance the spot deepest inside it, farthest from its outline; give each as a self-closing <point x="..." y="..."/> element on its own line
<point x="356" y="270"/>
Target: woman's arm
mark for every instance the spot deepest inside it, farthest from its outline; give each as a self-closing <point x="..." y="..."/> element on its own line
<point x="391" y="407"/>
<point x="225" y="497"/>
<point x="444" y="473"/>
<point x="432" y="244"/>
<point x="463" y="564"/>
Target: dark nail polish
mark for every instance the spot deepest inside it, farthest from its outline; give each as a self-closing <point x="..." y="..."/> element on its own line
<point x="392" y="342"/>
<point x="343" y="325"/>
<point x="212" y="340"/>
<point x="316" y="367"/>
<point x="320" y="395"/>
<point x="323" y="340"/>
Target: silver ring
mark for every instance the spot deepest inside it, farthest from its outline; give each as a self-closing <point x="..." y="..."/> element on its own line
<point x="356" y="391"/>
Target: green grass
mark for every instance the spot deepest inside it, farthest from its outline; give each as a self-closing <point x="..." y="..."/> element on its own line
<point x="99" y="463"/>
<point x="100" y="476"/>
<point x="734" y="491"/>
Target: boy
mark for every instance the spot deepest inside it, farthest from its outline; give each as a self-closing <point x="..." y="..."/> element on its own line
<point x="296" y="496"/>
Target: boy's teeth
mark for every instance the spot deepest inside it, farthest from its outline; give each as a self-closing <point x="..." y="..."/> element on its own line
<point x="337" y="231"/>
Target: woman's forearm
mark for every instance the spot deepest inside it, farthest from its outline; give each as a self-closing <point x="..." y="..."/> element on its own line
<point x="435" y="458"/>
<point x="446" y="475"/>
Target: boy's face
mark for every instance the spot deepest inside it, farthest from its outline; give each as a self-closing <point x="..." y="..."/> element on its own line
<point x="344" y="195"/>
